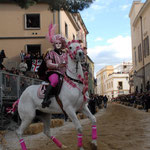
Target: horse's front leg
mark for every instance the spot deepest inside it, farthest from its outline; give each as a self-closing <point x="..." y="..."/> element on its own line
<point x="46" y="120"/>
<point x="87" y="112"/>
<point x="72" y="115"/>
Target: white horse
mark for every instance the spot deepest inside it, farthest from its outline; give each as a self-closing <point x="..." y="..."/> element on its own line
<point x="72" y="96"/>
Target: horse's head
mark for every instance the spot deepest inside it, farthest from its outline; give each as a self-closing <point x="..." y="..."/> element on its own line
<point x="75" y="51"/>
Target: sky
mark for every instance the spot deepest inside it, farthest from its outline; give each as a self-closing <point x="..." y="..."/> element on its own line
<point x="109" y="38"/>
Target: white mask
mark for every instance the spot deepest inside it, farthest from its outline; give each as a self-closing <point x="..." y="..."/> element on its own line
<point x="58" y="45"/>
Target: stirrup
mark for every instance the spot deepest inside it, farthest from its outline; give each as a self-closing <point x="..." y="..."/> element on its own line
<point x="46" y="103"/>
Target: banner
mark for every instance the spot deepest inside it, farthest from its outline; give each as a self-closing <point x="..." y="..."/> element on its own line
<point x="36" y="64"/>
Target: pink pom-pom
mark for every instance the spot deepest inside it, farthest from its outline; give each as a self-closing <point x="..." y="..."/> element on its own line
<point x="85" y="82"/>
<point x="69" y="43"/>
<point x="85" y="89"/>
<point x="86" y="78"/>
<point x="84" y="98"/>
<point x="74" y="85"/>
<point x="86" y="73"/>
<point x="79" y="76"/>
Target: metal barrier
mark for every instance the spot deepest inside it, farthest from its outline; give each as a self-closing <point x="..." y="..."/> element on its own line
<point x="11" y="87"/>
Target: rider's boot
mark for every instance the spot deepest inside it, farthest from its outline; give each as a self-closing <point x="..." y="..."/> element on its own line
<point x="46" y="101"/>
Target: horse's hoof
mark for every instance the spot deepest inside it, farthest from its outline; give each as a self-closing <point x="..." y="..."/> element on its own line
<point x="64" y="147"/>
<point x="93" y="145"/>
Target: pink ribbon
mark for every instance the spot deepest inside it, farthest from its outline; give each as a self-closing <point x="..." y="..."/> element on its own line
<point x="56" y="141"/>
<point x="80" y="140"/>
<point x="94" y="132"/>
<point x="23" y="146"/>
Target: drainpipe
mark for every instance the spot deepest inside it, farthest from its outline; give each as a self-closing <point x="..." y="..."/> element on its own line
<point x="142" y="47"/>
<point x="54" y="20"/>
<point x="53" y="16"/>
<point x="59" y="31"/>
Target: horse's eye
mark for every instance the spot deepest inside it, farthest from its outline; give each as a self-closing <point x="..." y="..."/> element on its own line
<point x="70" y="47"/>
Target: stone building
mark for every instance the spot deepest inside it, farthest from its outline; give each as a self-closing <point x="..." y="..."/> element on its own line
<point x="26" y="29"/>
<point x="140" y="32"/>
<point x="114" y="80"/>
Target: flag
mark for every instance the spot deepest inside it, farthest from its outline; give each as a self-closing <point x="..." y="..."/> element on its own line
<point x="36" y="64"/>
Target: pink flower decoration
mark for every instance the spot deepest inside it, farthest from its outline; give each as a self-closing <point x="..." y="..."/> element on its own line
<point x="79" y="76"/>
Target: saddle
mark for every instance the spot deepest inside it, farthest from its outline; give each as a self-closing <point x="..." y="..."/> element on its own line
<point x="55" y="91"/>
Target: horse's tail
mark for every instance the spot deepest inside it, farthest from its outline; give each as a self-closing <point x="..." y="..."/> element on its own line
<point x="13" y="108"/>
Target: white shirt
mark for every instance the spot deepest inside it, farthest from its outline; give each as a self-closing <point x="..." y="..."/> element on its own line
<point x="23" y="66"/>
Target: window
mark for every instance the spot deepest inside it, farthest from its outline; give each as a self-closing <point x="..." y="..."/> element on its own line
<point x="66" y="30"/>
<point x="135" y="57"/>
<point x="73" y="37"/>
<point x="32" y="21"/>
<point x="120" y="85"/>
<point x="139" y="53"/>
<point x="124" y="67"/>
<point x="34" y="49"/>
<point x="146" y="46"/>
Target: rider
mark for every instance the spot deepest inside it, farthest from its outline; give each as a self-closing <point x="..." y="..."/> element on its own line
<point x="56" y="64"/>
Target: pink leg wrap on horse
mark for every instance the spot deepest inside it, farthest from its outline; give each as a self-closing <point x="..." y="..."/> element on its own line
<point x="94" y="132"/>
<point x="23" y="144"/>
<point x="53" y="79"/>
<point x="80" y="140"/>
<point x="56" y="141"/>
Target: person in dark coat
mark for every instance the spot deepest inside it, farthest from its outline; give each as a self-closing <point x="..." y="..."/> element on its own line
<point x="147" y="101"/>
<point x="147" y="86"/>
<point x="92" y="104"/>
<point x="2" y="56"/>
<point x="105" y="99"/>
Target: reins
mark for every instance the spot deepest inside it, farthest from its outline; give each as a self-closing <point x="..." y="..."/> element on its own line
<point x="75" y="80"/>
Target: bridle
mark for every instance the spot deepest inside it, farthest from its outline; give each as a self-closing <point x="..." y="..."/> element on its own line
<point x="73" y="54"/>
<point x="80" y="80"/>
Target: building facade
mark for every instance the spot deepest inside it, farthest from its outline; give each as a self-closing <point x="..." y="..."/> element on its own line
<point x="140" y="32"/>
<point x="101" y="77"/>
<point x="26" y="29"/>
<point x="117" y="84"/>
<point x="114" y="80"/>
<point x="91" y="82"/>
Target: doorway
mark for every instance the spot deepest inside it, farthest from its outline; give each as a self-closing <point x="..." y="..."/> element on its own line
<point x="34" y="49"/>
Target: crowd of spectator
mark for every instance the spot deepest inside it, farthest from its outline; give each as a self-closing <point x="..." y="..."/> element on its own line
<point x="96" y="101"/>
<point x="25" y="66"/>
<point x="142" y="99"/>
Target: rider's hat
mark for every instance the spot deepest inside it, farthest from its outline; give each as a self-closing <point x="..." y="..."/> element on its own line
<point x="53" y="38"/>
